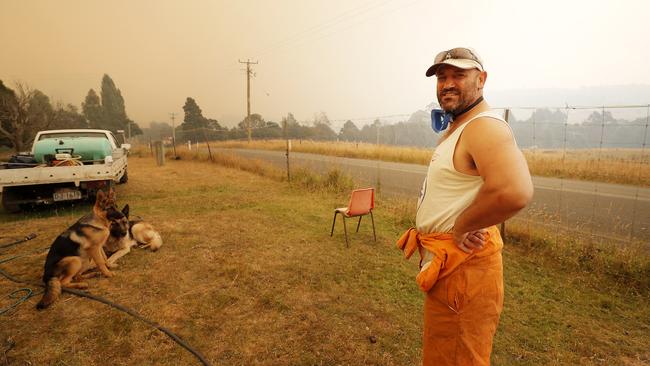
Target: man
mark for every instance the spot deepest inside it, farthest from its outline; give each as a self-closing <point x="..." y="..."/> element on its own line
<point x="477" y="179"/>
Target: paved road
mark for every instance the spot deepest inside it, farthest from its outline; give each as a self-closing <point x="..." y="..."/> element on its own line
<point x="614" y="211"/>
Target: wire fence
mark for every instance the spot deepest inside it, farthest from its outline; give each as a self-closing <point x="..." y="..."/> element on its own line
<point x="591" y="165"/>
<point x="593" y="171"/>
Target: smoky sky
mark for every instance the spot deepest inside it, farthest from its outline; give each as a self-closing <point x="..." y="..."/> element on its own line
<point x="349" y="59"/>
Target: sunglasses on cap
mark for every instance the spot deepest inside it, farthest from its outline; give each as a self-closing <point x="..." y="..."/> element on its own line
<point x="460" y="56"/>
<point x="457" y="53"/>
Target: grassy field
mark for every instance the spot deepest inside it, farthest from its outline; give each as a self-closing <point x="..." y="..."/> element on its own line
<point x="624" y="166"/>
<point x="249" y="275"/>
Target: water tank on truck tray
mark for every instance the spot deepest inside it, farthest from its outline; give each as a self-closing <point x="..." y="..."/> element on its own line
<point x="89" y="148"/>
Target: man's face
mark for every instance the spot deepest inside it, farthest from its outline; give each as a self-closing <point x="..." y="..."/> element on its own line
<point x="458" y="88"/>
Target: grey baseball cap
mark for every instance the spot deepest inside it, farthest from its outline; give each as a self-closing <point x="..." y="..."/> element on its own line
<point x="461" y="57"/>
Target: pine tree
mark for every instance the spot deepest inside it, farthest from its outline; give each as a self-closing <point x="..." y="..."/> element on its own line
<point x="113" y="106"/>
<point x="193" y="116"/>
<point x="92" y="110"/>
<point x="113" y="110"/>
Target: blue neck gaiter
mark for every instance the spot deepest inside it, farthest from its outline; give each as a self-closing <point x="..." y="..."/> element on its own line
<point x="440" y="119"/>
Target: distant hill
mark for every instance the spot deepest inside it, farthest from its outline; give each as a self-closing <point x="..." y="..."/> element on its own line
<point x="584" y="96"/>
<point x="548" y="124"/>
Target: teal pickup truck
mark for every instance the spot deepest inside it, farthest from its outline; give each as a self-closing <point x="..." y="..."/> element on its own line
<point x="63" y="165"/>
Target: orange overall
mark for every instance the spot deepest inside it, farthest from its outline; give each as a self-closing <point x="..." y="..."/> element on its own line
<point x="464" y="297"/>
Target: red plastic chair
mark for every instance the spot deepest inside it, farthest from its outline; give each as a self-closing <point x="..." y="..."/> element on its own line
<point x="362" y="201"/>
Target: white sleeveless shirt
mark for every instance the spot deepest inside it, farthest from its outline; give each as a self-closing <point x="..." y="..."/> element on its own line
<point x="446" y="192"/>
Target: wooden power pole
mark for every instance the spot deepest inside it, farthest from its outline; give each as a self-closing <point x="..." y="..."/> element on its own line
<point x="249" y="73"/>
<point x="173" y="116"/>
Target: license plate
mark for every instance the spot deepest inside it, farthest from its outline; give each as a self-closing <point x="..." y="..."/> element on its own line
<point x="67" y="195"/>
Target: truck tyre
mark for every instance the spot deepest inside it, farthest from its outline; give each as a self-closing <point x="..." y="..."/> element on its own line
<point x="9" y="197"/>
<point x="125" y="177"/>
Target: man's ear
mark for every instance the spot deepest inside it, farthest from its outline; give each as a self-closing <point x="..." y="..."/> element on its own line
<point x="482" y="77"/>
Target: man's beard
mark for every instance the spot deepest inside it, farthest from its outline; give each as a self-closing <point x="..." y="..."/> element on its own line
<point x="464" y="100"/>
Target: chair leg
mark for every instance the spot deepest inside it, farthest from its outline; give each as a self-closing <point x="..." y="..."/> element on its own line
<point x="345" y="229"/>
<point x="373" y="226"/>
<point x="359" y="223"/>
<point x="333" y="222"/>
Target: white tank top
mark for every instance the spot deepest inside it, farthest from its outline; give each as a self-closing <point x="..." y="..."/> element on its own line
<point x="446" y="192"/>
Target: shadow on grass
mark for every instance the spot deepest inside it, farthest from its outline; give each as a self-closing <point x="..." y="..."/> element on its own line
<point x="78" y="208"/>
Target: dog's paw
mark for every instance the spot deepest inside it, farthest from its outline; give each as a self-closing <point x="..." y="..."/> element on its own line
<point x="87" y="275"/>
<point x="112" y="265"/>
<point x="108" y="274"/>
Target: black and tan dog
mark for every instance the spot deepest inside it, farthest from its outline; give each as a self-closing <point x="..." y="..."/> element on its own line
<point x="71" y="253"/>
<point x="125" y="233"/>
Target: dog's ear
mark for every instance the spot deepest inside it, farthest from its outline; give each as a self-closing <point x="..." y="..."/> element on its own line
<point x="125" y="210"/>
<point x="100" y="197"/>
<point x="100" y="200"/>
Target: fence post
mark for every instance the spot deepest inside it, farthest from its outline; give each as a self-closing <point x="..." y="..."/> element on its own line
<point x="205" y="138"/>
<point x="284" y="130"/>
<point x="159" y="148"/>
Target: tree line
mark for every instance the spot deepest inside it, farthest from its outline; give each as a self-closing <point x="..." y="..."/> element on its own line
<point x="25" y="111"/>
<point x="196" y="127"/>
<point x="549" y="129"/>
<point x="544" y="128"/>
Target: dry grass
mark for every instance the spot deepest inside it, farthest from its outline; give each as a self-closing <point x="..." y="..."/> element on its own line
<point x="623" y="166"/>
<point x="627" y="264"/>
<point x="359" y="150"/>
<point x="249" y="276"/>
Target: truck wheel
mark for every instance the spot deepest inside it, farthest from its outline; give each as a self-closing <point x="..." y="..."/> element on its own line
<point x="9" y="198"/>
<point x="125" y="177"/>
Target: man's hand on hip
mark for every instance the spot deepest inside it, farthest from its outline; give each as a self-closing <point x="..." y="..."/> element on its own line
<point x="471" y="240"/>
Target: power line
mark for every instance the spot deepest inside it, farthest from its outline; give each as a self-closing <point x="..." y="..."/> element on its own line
<point x="569" y="107"/>
<point x="355" y="24"/>
<point x="313" y="31"/>
<point x="566" y="106"/>
<point x="249" y="73"/>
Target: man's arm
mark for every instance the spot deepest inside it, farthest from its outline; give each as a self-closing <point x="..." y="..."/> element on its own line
<point x="507" y="186"/>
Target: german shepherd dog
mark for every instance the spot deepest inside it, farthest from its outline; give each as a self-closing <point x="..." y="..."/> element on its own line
<point x="137" y="232"/>
<point x="72" y="251"/>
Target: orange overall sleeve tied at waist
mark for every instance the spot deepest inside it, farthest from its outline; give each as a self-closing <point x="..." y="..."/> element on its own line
<point x="464" y="297"/>
<point x="446" y="255"/>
